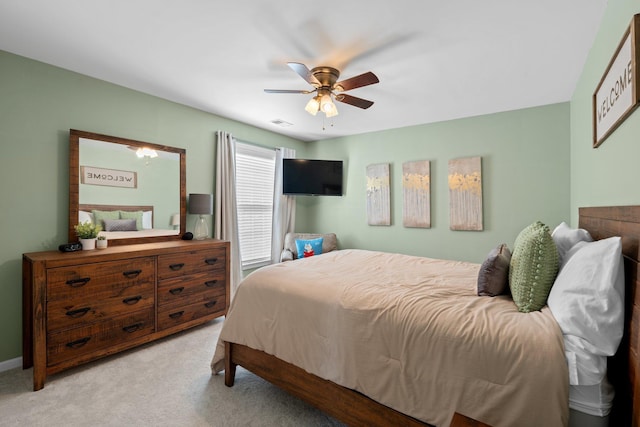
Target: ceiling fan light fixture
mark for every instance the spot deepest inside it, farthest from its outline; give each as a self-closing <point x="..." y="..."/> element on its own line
<point x="326" y="86"/>
<point x="327" y="106"/>
<point x="313" y="106"/>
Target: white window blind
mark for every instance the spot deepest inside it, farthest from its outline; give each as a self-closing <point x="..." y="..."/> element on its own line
<point x="255" y="168"/>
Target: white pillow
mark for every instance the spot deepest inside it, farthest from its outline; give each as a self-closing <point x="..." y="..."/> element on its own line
<point x="565" y="237"/>
<point x="587" y="301"/>
<point x="84" y="216"/>
<point x="147" y="220"/>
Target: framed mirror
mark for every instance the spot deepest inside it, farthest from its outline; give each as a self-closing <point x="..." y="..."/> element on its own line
<point x="113" y="181"/>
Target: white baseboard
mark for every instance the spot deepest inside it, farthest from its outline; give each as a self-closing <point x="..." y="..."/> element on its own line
<point x="10" y="364"/>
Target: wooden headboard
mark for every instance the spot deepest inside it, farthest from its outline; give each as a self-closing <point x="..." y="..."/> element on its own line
<point x="127" y="208"/>
<point x="623" y="221"/>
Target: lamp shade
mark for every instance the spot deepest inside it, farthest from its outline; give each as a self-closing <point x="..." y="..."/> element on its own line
<point x="201" y="204"/>
<point x="313" y="106"/>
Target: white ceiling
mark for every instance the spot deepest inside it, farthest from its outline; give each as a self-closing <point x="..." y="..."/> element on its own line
<point x="436" y="60"/>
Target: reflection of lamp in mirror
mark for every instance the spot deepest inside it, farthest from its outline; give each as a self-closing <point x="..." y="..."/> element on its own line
<point x="201" y="204"/>
<point x="175" y="221"/>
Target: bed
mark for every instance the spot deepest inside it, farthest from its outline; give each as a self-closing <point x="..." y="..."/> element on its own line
<point x="143" y="214"/>
<point x="350" y="393"/>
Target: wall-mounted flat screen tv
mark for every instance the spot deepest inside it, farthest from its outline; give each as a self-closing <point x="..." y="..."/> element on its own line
<point x="312" y="177"/>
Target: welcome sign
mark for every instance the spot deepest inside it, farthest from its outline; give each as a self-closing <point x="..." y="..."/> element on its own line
<point x="110" y="177"/>
<point x="618" y="93"/>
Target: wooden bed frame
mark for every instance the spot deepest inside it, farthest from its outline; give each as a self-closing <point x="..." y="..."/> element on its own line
<point x="356" y="409"/>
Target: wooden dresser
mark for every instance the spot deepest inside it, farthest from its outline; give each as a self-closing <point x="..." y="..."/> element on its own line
<point x="80" y="306"/>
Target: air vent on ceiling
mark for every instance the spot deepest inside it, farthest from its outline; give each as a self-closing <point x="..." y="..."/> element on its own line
<point x="282" y="123"/>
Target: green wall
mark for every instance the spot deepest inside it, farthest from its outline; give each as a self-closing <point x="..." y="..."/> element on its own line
<point x="38" y="105"/>
<point x="606" y="175"/>
<point x="525" y="158"/>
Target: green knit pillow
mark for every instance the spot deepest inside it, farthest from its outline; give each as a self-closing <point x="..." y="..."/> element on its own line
<point x="533" y="267"/>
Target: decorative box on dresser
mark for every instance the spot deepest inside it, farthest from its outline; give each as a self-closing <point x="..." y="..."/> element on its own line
<point x="81" y="306"/>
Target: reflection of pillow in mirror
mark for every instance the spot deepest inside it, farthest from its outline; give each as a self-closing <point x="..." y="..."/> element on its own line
<point x="120" y="225"/>
<point x="137" y="215"/>
<point x="147" y="220"/>
<point x="84" y="216"/>
<point x="100" y="216"/>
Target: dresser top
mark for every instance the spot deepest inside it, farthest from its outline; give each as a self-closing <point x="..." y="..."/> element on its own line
<point x="120" y="252"/>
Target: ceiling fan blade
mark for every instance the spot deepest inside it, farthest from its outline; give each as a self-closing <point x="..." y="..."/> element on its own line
<point x="353" y="100"/>
<point x="365" y="79"/>
<point x="304" y="72"/>
<point x="288" y="91"/>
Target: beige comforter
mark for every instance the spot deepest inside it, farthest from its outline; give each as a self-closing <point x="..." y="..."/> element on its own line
<point x="409" y="332"/>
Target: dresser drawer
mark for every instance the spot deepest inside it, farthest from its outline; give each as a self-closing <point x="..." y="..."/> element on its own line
<point x="196" y="261"/>
<point x="101" y="280"/>
<point x="82" y="311"/>
<point x="206" y="305"/>
<point x="185" y="287"/>
<point x="77" y="342"/>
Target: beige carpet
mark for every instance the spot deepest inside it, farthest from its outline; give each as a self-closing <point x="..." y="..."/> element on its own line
<point x="167" y="383"/>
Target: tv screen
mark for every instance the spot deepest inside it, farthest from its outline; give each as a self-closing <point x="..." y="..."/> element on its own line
<point x="312" y="177"/>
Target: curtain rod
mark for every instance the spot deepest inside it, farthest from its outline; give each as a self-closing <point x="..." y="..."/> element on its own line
<point x="255" y="144"/>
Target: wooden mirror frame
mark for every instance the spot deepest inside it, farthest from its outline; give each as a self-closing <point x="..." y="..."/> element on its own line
<point x="74" y="183"/>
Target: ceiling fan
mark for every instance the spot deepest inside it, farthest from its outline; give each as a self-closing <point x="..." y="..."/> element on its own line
<point x="327" y="87"/>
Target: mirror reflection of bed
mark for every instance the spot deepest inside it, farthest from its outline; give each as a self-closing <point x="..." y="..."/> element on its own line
<point x="124" y="222"/>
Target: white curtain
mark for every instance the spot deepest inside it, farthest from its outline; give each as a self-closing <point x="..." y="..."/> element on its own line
<point x="226" y="211"/>
<point x="284" y="207"/>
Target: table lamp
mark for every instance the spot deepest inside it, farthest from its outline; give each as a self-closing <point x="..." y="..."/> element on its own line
<point x="201" y="204"/>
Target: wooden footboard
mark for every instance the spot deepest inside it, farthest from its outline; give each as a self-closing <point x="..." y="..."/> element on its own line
<point x="344" y="404"/>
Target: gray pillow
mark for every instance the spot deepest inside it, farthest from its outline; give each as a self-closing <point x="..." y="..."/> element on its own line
<point x="493" y="277"/>
<point x="120" y="225"/>
<point x="136" y="215"/>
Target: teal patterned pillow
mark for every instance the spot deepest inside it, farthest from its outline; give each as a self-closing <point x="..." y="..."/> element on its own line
<point x="309" y="247"/>
<point x="533" y="267"/>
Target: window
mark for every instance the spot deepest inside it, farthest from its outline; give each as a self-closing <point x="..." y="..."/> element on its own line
<point x="255" y="170"/>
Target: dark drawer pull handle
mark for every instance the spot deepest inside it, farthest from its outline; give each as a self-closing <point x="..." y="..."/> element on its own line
<point x="176" y="291"/>
<point x="176" y="315"/>
<point x="76" y="283"/>
<point x="176" y="267"/>
<point x="211" y="261"/>
<point x="132" y="300"/>
<point x="210" y="283"/>
<point x="210" y="304"/>
<point x="131" y="273"/>
<point x="133" y="328"/>
<point x="78" y="343"/>
<point x="78" y="313"/>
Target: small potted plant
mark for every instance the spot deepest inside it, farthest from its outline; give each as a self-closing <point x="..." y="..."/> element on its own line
<point x="87" y="233"/>
<point x="101" y="242"/>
